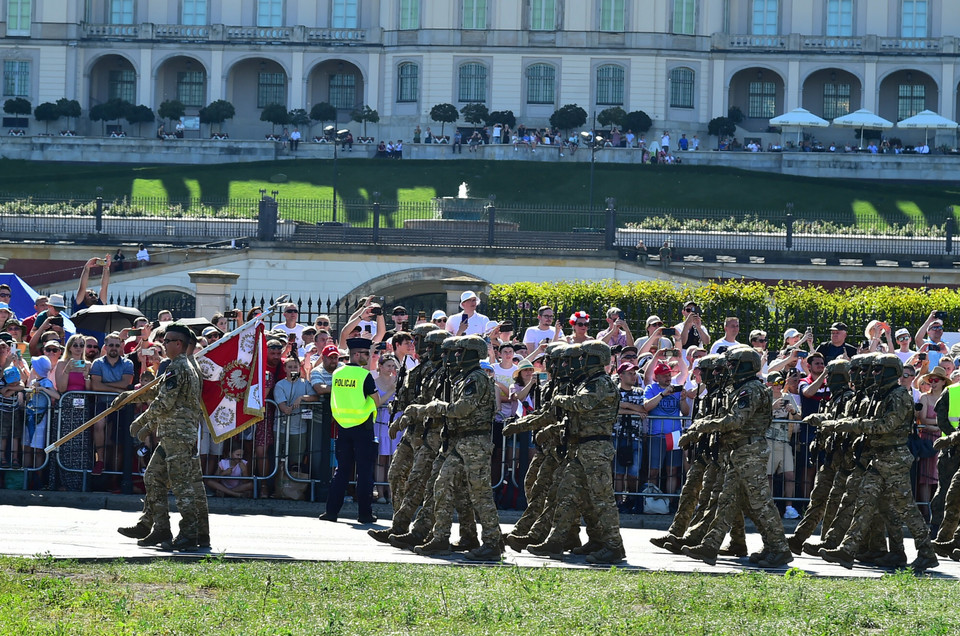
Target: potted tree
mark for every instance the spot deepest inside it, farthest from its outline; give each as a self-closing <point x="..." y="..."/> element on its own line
<point x="217" y="112"/>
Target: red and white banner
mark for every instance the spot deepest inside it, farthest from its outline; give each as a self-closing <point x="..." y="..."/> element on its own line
<point x="232" y="378"/>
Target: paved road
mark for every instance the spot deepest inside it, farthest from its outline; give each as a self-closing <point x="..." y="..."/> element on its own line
<point x="84" y="533"/>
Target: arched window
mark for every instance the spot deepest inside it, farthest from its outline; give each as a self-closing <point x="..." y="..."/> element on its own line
<point x="681" y="88"/>
<point x="541" y="83"/>
<point x="610" y="85"/>
<point x="473" y="82"/>
<point x="408" y="82"/>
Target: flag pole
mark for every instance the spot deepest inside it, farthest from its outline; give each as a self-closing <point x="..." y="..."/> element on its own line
<point x="116" y="407"/>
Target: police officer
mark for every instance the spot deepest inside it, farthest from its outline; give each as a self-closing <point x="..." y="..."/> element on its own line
<point x="354" y="400"/>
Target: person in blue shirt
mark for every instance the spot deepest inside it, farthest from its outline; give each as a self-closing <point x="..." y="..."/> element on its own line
<point x="664" y="403"/>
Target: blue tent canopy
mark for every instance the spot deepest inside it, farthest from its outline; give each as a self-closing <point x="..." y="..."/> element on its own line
<point x="22" y="297"/>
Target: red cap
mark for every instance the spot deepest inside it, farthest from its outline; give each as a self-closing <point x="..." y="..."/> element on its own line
<point x="330" y="351"/>
<point x="661" y="368"/>
<point x="627" y="366"/>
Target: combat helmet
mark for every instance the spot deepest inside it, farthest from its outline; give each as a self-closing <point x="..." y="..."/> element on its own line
<point x="432" y="342"/>
<point x="448" y="353"/>
<point x="554" y="355"/>
<point x="419" y="334"/>
<point x="887" y="369"/>
<point x="708" y="365"/>
<point x="596" y="355"/>
<point x="744" y="363"/>
<point x="471" y="350"/>
<point x="571" y="358"/>
<point x="838" y="374"/>
<point x="860" y="370"/>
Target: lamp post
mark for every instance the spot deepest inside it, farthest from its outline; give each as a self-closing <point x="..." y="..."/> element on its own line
<point x="593" y="139"/>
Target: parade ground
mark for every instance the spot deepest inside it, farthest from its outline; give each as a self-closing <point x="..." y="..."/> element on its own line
<point x="284" y="531"/>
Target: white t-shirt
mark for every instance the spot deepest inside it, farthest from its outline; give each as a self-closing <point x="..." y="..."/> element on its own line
<point x="369" y="323"/>
<point x="535" y="335"/>
<point x="296" y="330"/>
<point x="504" y="376"/>
<point x="904" y="355"/>
<point x="723" y="343"/>
<point x="475" y="323"/>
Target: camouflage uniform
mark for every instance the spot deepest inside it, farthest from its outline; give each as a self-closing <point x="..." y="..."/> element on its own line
<point x="174" y="416"/>
<point x="469" y="416"/>
<point x="947" y="464"/>
<point x="586" y="486"/>
<point x="745" y="484"/>
<point x="888" y="472"/>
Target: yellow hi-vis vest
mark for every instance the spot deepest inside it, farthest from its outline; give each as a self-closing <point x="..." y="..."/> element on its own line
<point x="953" y="412"/>
<point x="349" y="405"/>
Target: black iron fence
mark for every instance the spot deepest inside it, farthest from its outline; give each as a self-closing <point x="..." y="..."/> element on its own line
<point x="488" y="223"/>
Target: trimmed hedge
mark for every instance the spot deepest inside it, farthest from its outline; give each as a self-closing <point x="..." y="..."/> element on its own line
<point x="770" y="308"/>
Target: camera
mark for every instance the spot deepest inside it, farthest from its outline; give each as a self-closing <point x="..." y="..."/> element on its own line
<point x="940" y="315"/>
<point x="621" y="315"/>
<point x="802" y="354"/>
<point x="368" y="328"/>
<point x="376" y="311"/>
<point x="381" y="346"/>
<point x="101" y="262"/>
<point x="672" y="353"/>
<point x="135" y="332"/>
<point x="722" y="349"/>
<point x="231" y="313"/>
<point x="676" y="388"/>
<point x="935" y="346"/>
<point x="921" y="356"/>
<point x="56" y="320"/>
<point x="669" y="332"/>
<point x="79" y="364"/>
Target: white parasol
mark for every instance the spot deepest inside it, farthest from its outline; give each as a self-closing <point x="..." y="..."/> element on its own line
<point x="927" y="119"/>
<point x="861" y="119"/>
<point x="799" y="118"/>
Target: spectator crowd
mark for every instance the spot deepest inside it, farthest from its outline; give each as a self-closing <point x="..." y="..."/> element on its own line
<point x="54" y="380"/>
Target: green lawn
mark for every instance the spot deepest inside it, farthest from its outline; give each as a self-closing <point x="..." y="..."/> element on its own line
<point x="706" y="188"/>
<point x="45" y="596"/>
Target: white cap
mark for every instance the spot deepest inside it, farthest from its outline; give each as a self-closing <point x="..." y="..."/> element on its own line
<point x="790" y="333"/>
<point x="490" y="326"/>
<point x="467" y="295"/>
<point x="438" y="314"/>
<point x="902" y="331"/>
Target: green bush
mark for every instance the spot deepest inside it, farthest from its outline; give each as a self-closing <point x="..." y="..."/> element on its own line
<point x="770" y="308"/>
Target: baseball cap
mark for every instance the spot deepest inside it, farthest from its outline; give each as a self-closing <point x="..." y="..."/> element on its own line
<point x="790" y="333"/>
<point x="438" y="314"/>
<point x="661" y="368"/>
<point x="399" y="309"/>
<point x="5" y="306"/>
<point x="627" y="366"/>
<point x="56" y="300"/>
<point x="838" y="326"/>
<point x="211" y="331"/>
<point x="4" y="336"/>
<point x="330" y="351"/>
<point x="902" y="331"/>
<point x="629" y="348"/>
<point x="653" y="319"/>
<point x="467" y="295"/>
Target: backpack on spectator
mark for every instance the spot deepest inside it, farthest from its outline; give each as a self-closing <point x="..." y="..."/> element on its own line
<point x="653" y="505"/>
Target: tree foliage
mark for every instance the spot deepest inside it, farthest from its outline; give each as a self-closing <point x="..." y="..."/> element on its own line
<point x="504" y="117"/>
<point x="323" y="112"/>
<point x="298" y="117"/>
<point x="613" y="116"/>
<point x="172" y="109"/>
<point x="735" y="115"/>
<point x="475" y="113"/>
<point x="47" y="112"/>
<point x="365" y="115"/>
<point x="217" y="112"/>
<point x="139" y="115"/>
<point x="568" y="117"/>
<point x="445" y="114"/>
<point x="17" y="106"/>
<point x="637" y="121"/>
<point x="721" y="127"/>
<point x="276" y="114"/>
<point x="69" y="108"/>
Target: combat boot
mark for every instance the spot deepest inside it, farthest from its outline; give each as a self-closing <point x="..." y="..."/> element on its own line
<point x="588" y="548"/>
<point x="405" y="541"/>
<point x="660" y="542"/>
<point x="549" y="548"/>
<point x="870" y="558"/>
<point x="606" y="555"/>
<point x="702" y="552"/>
<point x="182" y="543"/>
<point x="485" y="552"/>
<point x="675" y="546"/>
<point x="572" y="541"/>
<point x="796" y="544"/>
<point x="894" y="560"/>
<point x="139" y="531"/>
<point x="776" y="559"/>
<point x="156" y="537"/>
<point x="838" y="556"/>
<point x="465" y="544"/>
<point x="955" y="555"/>
<point x="734" y="550"/>
<point x="518" y="542"/>
<point x="926" y="559"/>
<point x="203" y="541"/>
<point x="434" y="547"/>
<point x="757" y="557"/>
<point x="382" y="535"/>
<point x="941" y="548"/>
<point x="813" y="549"/>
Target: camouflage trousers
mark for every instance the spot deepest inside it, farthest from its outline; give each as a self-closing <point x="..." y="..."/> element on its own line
<point x="951" y="510"/>
<point x="173" y="467"/>
<point x="465" y="472"/>
<point x="586" y="488"/>
<point x="424" y="521"/>
<point x="746" y="490"/>
<point x="689" y="496"/>
<point x="551" y="475"/>
<point x="886" y="481"/>
<point x="822" y="484"/>
<point x="947" y="465"/>
<point x="416" y="484"/>
<point x="707" y="507"/>
<point x="400" y="465"/>
<point x="842" y="505"/>
<point x="536" y="489"/>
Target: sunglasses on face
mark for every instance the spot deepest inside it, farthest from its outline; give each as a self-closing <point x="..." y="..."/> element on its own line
<point x="629" y="356"/>
<point x="323" y="324"/>
<point x="581" y="324"/>
<point x="440" y="320"/>
<point x="903" y="338"/>
<point x="91" y="346"/>
<point x="936" y="328"/>
<point x="4" y="295"/>
<point x="655" y="324"/>
<point x="273" y="348"/>
<point x="759" y="339"/>
<point x="290" y="311"/>
<point x="52" y="350"/>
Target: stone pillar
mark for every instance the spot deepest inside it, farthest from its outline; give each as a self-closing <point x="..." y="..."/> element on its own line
<point x="213" y="290"/>
<point x="459" y="284"/>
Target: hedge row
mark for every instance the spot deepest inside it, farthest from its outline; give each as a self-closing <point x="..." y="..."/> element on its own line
<point x="758" y="306"/>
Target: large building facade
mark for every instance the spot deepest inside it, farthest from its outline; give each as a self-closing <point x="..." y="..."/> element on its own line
<point x="683" y="62"/>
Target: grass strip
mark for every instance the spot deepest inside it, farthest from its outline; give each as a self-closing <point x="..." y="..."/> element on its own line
<point x="213" y="596"/>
